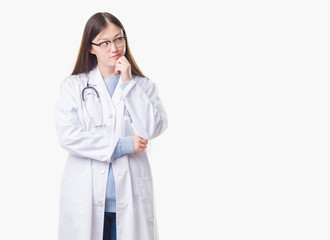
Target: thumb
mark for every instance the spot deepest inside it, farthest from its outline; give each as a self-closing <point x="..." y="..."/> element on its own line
<point x="117" y="69"/>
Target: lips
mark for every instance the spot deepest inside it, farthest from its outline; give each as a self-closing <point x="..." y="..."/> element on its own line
<point x="115" y="56"/>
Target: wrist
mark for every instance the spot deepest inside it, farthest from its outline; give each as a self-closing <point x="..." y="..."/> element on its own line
<point x="126" y="80"/>
<point x="127" y="145"/>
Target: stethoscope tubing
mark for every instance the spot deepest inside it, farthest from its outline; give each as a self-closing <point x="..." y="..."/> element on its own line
<point x="98" y="96"/>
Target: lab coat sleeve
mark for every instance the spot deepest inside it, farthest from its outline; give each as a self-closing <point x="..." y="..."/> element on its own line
<point x="73" y="137"/>
<point x="149" y="118"/>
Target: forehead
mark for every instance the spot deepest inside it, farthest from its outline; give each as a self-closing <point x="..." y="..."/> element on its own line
<point x="109" y="32"/>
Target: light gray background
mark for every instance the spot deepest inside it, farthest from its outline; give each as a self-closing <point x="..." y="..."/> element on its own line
<point x="246" y="88"/>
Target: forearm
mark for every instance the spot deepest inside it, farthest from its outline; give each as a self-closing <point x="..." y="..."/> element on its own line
<point x="149" y="118"/>
<point x="124" y="146"/>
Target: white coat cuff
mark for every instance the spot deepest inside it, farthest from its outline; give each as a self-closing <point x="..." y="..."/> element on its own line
<point x="128" y="87"/>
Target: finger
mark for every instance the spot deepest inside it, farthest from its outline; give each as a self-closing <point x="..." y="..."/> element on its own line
<point x="118" y="63"/>
<point x="121" y="67"/>
<point x="143" y="146"/>
<point x="139" y="150"/>
<point x="118" y="68"/>
<point x="143" y="141"/>
<point x="124" y="59"/>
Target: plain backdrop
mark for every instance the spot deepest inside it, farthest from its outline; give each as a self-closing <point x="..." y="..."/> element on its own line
<point x="246" y="88"/>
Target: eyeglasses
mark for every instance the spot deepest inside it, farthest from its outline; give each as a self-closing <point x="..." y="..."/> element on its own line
<point x="106" y="45"/>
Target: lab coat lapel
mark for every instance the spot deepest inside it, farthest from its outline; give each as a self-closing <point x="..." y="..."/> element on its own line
<point x="116" y="97"/>
<point x="96" y="80"/>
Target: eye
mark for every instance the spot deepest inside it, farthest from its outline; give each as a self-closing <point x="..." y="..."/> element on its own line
<point x="104" y="44"/>
<point x="118" y="40"/>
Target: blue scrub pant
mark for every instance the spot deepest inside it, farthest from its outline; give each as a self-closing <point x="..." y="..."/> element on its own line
<point x="109" y="229"/>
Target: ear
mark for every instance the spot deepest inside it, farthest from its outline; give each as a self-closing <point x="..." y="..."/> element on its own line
<point x="91" y="50"/>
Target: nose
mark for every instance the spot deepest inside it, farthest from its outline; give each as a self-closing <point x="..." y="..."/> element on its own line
<point x="113" y="47"/>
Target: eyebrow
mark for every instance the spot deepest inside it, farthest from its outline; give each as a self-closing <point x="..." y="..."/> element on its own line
<point x="108" y="38"/>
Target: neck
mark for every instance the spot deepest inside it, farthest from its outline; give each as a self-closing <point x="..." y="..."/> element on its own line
<point x="107" y="71"/>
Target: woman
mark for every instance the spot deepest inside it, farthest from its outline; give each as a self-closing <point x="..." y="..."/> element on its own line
<point x="105" y="115"/>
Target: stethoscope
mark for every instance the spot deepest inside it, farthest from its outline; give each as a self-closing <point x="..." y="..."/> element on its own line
<point x="99" y="100"/>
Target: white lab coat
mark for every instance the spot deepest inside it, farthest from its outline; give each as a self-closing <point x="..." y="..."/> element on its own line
<point x="136" y="110"/>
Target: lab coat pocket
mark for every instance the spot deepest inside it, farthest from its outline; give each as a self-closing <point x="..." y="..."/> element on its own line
<point x="146" y="194"/>
<point x="73" y="194"/>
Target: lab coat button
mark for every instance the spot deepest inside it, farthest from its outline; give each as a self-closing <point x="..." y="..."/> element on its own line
<point x="100" y="204"/>
<point x="103" y="171"/>
<point x="110" y="115"/>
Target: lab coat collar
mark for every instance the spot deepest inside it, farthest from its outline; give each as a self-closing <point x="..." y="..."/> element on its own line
<point x="96" y="80"/>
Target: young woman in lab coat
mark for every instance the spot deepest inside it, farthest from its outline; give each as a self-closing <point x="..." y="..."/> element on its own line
<point x="106" y="113"/>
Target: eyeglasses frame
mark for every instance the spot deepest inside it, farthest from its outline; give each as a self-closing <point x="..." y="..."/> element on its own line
<point x="111" y="42"/>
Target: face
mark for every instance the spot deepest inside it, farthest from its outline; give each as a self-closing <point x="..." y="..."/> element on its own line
<point x="108" y="57"/>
